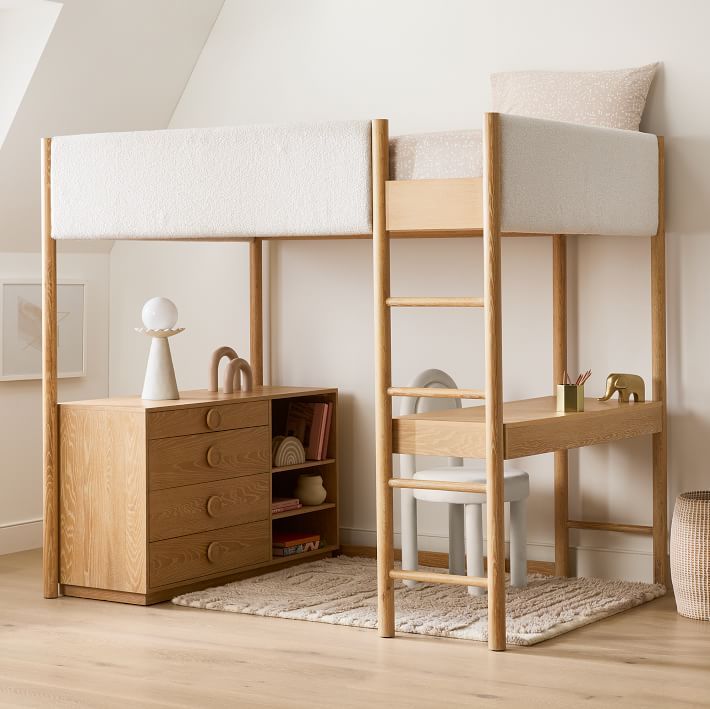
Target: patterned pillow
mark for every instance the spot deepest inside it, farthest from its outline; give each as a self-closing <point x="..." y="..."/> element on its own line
<point x="611" y="99"/>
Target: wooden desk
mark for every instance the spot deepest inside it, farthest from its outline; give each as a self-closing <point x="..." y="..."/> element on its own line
<point x="530" y="426"/>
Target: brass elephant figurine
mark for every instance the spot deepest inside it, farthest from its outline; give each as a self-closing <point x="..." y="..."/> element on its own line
<point x="627" y="385"/>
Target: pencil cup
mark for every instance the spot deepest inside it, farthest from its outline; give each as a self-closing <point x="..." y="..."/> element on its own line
<point x="570" y="397"/>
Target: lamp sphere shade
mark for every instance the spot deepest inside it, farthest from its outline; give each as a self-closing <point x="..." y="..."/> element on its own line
<point x="159" y="314"/>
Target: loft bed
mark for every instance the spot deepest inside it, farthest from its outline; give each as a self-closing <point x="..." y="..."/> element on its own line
<point x="521" y="177"/>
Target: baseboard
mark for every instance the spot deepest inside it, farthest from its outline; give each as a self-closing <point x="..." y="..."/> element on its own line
<point x="20" y="536"/>
<point x="585" y="561"/>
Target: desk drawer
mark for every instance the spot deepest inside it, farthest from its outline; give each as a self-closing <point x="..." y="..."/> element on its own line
<point x="224" y="417"/>
<point x="187" y="460"/>
<point x="207" y="553"/>
<point x="213" y="505"/>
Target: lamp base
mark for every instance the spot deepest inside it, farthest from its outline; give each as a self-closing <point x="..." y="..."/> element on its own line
<point x="160" y="383"/>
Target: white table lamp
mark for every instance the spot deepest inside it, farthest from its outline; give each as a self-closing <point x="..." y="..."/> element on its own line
<point x="159" y="317"/>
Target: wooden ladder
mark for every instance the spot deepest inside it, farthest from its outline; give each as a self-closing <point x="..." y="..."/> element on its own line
<point x="493" y="394"/>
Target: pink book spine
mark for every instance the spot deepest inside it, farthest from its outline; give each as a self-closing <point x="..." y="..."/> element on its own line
<point x="316" y="426"/>
<point x="325" y="433"/>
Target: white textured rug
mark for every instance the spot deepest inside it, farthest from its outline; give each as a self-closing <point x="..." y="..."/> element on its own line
<point x="343" y="591"/>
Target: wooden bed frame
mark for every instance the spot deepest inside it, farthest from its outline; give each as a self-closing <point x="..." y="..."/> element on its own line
<point x="437" y="208"/>
<point x="468" y="207"/>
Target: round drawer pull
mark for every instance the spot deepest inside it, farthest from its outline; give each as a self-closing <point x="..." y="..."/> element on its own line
<point x="213" y="419"/>
<point x="214" y="457"/>
<point x="214" y="505"/>
<point x="213" y="552"/>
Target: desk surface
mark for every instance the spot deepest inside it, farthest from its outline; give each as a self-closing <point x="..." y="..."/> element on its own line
<point x="530" y="426"/>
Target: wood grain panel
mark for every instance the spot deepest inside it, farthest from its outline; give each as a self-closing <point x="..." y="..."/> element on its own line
<point x="185" y="421"/>
<point x="102" y="594"/>
<point x="648" y="656"/>
<point x="584" y="429"/>
<point x="202" y="399"/>
<point x="434" y="437"/>
<point x="103" y="499"/>
<point x="199" y="508"/>
<point x="530" y="426"/>
<point x="186" y="460"/>
<point x="434" y="205"/>
<point x="196" y="555"/>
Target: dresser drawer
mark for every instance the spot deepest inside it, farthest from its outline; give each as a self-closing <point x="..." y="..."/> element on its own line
<point x="224" y="417"/>
<point x="207" y="553"/>
<point x="213" y="505"/>
<point x="187" y="460"/>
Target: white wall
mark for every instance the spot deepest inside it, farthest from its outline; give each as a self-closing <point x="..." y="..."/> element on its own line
<point x="425" y="65"/>
<point x="21" y="401"/>
<point x="108" y="65"/>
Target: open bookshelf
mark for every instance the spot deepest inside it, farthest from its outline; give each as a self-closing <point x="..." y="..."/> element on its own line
<point x="310" y="519"/>
<point x="302" y="466"/>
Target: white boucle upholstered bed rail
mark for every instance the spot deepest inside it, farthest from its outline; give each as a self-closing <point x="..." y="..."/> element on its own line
<point x="313" y="180"/>
<point x="562" y="178"/>
<point x="263" y="180"/>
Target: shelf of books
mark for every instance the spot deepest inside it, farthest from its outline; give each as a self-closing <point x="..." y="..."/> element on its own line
<point x="301" y="531"/>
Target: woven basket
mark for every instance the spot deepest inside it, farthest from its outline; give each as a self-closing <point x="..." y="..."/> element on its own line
<point x="690" y="554"/>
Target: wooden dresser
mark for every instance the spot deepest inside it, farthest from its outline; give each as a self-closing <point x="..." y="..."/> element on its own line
<point x="158" y="498"/>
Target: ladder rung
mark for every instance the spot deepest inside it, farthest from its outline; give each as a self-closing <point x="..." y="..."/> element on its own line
<point x="445" y="485"/>
<point x="436" y="392"/>
<point x="446" y="302"/>
<point x="610" y="527"/>
<point x="428" y="577"/>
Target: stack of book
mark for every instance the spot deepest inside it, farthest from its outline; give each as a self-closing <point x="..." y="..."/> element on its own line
<point x="284" y="504"/>
<point x="310" y="423"/>
<point x="289" y="543"/>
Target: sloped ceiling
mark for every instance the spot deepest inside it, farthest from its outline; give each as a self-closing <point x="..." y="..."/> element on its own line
<point x="109" y="65"/>
<point x="24" y="30"/>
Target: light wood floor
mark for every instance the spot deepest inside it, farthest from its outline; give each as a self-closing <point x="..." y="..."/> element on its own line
<point x="76" y="653"/>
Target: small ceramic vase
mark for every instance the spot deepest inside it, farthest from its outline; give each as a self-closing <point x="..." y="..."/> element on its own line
<point x="309" y="490"/>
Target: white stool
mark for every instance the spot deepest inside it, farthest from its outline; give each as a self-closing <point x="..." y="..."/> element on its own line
<point x="465" y="509"/>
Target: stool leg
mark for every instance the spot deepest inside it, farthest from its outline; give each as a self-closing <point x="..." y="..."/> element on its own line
<point x="474" y="545"/>
<point x="408" y="522"/>
<point x="457" y="562"/>
<point x="518" y="544"/>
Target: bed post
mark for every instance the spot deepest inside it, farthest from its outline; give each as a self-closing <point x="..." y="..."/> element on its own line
<point x="50" y="462"/>
<point x="383" y="380"/>
<point x="256" y="313"/>
<point x="559" y="365"/>
<point x="494" y="384"/>
<point x="658" y="335"/>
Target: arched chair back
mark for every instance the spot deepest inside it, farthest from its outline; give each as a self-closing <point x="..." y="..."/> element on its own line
<point x="410" y="405"/>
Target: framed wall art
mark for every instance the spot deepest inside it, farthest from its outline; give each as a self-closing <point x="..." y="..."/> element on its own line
<point x="21" y="329"/>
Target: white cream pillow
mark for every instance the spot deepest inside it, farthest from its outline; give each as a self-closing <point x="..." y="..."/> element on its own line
<point x="610" y="99"/>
